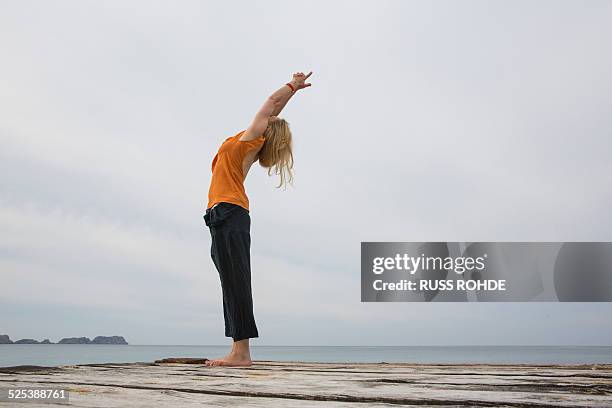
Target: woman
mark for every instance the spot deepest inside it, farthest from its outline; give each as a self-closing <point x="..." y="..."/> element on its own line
<point x="267" y="139"/>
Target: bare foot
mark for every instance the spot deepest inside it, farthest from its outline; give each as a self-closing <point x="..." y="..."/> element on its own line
<point x="231" y="360"/>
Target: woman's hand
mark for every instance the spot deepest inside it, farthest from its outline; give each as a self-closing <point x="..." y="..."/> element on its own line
<point x="299" y="80"/>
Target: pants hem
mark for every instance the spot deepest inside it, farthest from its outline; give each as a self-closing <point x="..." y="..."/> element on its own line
<point x="244" y="337"/>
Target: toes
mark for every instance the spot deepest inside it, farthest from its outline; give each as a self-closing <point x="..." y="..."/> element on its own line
<point x="212" y="363"/>
<point x="227" y="363"/>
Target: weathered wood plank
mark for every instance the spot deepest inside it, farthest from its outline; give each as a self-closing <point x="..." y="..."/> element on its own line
<point x="188" y="382"/>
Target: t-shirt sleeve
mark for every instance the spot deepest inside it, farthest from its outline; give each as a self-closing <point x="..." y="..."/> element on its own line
<point x="243" y="147"/>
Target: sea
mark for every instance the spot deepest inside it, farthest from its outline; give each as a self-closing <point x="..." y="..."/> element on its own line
<point x="68" y="354"/>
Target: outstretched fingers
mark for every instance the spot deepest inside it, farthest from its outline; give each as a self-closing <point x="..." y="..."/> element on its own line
<point x="306" y="85"/>
<point x="301" y="78"/>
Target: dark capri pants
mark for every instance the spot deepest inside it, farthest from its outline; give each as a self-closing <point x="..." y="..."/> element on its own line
<point x="230" y="227"/>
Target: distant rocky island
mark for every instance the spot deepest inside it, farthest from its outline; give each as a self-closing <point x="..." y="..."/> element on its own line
<point x="4" y="339"/>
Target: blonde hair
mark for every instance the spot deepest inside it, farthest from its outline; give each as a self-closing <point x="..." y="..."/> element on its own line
<point x="276" y="153"/>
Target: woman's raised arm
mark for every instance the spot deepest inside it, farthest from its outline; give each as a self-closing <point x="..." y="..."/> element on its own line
<point x="274" y="105"/>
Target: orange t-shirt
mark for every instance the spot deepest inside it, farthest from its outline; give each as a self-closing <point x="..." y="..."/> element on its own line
<point x="227" y="183"/>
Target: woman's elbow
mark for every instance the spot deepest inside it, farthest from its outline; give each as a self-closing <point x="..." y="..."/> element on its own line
<point x="269" y="107"/>
<point x="274" y="102"/>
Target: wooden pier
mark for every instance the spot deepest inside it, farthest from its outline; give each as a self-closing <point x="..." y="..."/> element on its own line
<point x="188" y="383"/>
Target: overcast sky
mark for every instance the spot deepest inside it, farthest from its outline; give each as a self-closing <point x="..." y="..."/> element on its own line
<point x="426" y="121"/>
